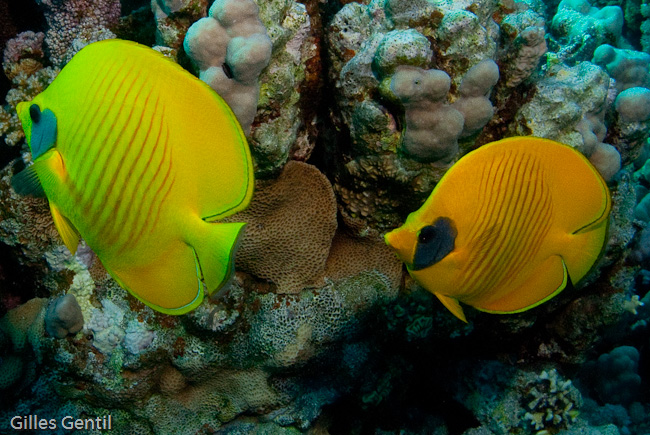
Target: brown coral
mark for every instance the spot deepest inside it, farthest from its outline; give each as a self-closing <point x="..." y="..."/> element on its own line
<point x="291" y="223"/>
<point x="351" y="256"/>
<point x="25" y="221"/>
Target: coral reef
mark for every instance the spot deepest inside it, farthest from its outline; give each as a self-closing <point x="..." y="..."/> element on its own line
<point x="554" y="402"/>
<point x="292" y="219"/>
<point x="432" y="126"/>
<point x="508" y="400"/>
<point x="72" y="24"/>
<point x="615" y="375"/>
<point x="581" y="28"/>
<point x="628" y="67"/>
<point x="21" y="330"/>
<point x="23" y="63"/>
<point x="173" y="18"/>
<point x="354" y="111"/>
<point x="569" y="106"/>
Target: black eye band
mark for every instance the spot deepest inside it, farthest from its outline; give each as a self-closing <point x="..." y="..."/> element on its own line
<point x="427" y="234"/>
<point x="35" y="113"/>
<point x="435" y="242"/>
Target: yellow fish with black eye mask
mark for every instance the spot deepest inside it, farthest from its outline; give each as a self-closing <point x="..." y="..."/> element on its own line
<point x="507" y="227"/>
<point x="140" y="158"/>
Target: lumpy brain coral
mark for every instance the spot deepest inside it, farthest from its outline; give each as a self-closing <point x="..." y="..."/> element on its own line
<point x="291" y="223"/>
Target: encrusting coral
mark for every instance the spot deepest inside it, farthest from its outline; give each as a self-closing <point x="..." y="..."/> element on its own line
<point x="582" y="27"/>
<point x="292" y="221"/>
<point x="628" y="67"/>
<point x="24" y="328"/>
<point x="617" y="378"/>
<point x="173" y="18"/>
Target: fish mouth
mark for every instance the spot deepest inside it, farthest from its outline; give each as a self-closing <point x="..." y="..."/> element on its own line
<point x="398" y="241"/>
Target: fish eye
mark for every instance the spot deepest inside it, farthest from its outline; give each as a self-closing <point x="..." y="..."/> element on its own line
<point x="35" y="113"/>
<point x="427" y="234"/>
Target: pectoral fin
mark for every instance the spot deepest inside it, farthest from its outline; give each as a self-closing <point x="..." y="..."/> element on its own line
<point x="26" y="182"/>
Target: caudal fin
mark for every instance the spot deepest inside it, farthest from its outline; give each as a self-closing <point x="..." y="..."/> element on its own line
<point x="215" y="245"/>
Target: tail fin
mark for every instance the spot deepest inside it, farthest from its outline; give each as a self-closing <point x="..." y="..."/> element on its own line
<point x="215" y="245"/>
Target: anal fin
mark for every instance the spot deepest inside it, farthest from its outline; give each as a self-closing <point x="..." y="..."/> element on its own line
<point x="544" y="282"/>
<point x="169" y="282"/>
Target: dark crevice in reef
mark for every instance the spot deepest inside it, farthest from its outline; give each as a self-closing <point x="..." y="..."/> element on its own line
<point x="17" y="283"/>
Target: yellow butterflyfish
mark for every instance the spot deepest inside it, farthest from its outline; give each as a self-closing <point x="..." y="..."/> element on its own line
<point x="507" y="227"/>
<point x="140" y="158"/>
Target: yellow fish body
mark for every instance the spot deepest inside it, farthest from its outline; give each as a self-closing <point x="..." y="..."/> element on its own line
<point x="138" y="157"/>
<point x="507" y="226"/>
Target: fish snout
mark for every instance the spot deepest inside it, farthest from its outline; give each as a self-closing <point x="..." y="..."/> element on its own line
<point x="400" y="241"/>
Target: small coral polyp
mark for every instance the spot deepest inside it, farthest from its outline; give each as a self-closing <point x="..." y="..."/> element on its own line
<point x="551" y="402"/>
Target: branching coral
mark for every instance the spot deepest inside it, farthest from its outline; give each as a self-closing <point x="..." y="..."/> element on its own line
<point x="75" y="23"/>
<point x="23" y="54"/>
<point x="25" y="221"/>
